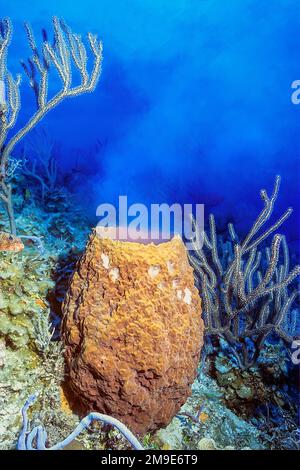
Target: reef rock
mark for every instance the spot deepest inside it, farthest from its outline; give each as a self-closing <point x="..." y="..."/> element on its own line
<point x="133" y="331"/>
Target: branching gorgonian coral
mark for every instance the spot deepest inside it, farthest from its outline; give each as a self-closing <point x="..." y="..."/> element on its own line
<point x="246" y="287"/>
<point x="67" y="51"/>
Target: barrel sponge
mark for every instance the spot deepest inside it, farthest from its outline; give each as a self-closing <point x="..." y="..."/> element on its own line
<point x="133" y="331"/>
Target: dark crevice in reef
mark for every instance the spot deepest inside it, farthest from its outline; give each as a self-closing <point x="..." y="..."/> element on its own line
<point x="61" y="275"/>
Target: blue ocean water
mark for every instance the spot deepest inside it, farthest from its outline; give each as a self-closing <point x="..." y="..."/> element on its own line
<point x="193" y="105"/>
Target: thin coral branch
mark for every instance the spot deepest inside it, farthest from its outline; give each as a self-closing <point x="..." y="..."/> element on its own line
<point x="42" y="165"/>
<point x="65" y="53"/>
<point x="59" y="57"/>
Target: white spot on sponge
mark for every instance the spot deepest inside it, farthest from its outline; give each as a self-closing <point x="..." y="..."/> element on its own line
<point x="187" y="296"/>
<point x="105" y="261"/>
<point x="153" y="271"/>
<point x="114" y="274"/>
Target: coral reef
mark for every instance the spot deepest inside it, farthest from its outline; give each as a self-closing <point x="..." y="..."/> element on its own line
<point x="215" y="425"/>
<point x="129" y="310"/>
<point x="246" y="292"/>
<point x="30" y="359"/>
<point x="248" y="392"/>
<point x="230" y="408"/>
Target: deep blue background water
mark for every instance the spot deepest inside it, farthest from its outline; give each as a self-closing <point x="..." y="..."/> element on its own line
<point x="194" y="102"/>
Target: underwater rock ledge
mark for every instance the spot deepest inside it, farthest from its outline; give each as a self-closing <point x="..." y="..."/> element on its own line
<point x="133" y="330"/>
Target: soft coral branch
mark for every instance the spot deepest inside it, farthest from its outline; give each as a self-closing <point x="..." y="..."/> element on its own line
<point x="66" y="52"/>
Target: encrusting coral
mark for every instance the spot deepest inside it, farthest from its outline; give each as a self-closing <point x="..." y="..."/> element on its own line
<point x="10" y="243"/>
<point x="132" y="330"/>
<point x="65" y="51"/>
<point x="31" y="358"/>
